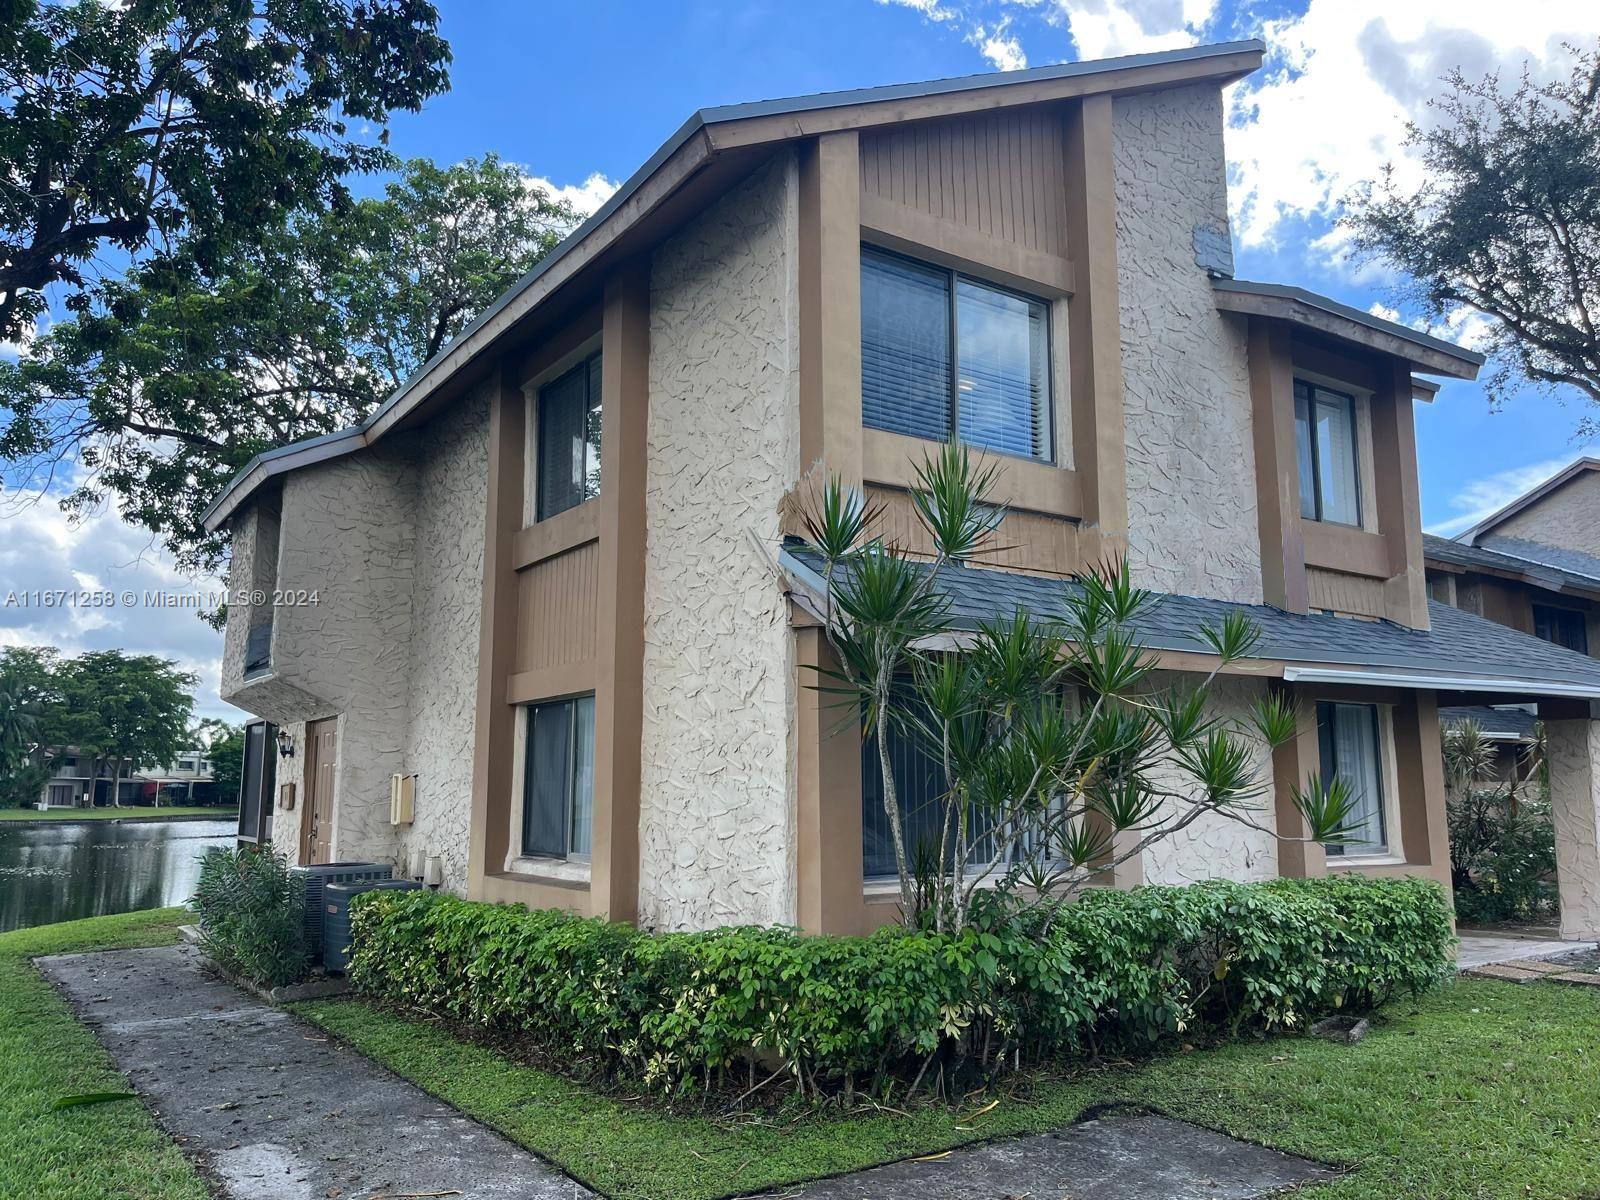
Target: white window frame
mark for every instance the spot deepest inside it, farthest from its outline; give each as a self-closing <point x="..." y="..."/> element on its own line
<point x="574" y="869"/>
<point x="1393" y="852"/>
<point x="530" y="404"/>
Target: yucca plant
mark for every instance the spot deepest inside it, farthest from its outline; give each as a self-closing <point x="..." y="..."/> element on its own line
<point x="1052" y="738"/>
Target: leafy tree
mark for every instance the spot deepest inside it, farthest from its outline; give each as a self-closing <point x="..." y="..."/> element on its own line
<point x="1507" y="222"/>
<point x="126" y="125"/>
<point x="1502" y="831"/>
<point x="26" y="692"/>
<point x="1059" y="758"/>
<point x="224" y="744"/>
<point x="123" y="711"/>
<point x="179" y="373"/>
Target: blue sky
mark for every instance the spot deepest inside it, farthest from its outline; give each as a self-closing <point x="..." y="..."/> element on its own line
<point x="581" y="94"/>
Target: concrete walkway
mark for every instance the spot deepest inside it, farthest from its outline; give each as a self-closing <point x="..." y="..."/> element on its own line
<point x="1481" y="949"/>
<point x="270" y="1105"/>
<point x="1119" y="1158"/>
<point x="275" y="1110"/>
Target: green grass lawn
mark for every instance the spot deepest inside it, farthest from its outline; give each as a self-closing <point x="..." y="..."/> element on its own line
<point x="91" y="1153"/>
<point x="1480" y="1090"/>
<point x="113" y="814"/>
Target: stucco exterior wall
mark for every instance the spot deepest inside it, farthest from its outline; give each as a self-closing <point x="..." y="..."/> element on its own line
<point x="1568" y="517"/>
<point x="716" y="814"/>
<point x="451" y="501"/>
<point x="1215" y="846"/>
<point x="391" y="542"/>
<point x="1191" y="463"/>
<point x="1573" y="758"/>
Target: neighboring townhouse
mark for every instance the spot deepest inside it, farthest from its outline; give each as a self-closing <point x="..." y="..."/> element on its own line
<point x="537" y="617"/>
<point x="1533" y="565"/>
<point x="71" y="784"/>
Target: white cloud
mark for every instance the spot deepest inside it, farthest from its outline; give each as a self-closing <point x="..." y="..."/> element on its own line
<point x="1109" y="29"/>
<point x="982" y="24"/>
<point x="1481" y="498"/>
<point x="41" y="552"/>
<point x="1003" y="51"/>
<point x="584" y="197"/>
<point x="1347" y="76"/>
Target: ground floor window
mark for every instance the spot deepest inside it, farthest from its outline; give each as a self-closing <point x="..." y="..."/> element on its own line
<point x="558" y="779"/>
<point x="1350" y="739"/>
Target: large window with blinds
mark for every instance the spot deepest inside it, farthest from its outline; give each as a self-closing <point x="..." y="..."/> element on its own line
<point x="1325" y="445"/>
<point x="558" y="779"/>
<point x="569" y="439"/>
<point x="1350" y="739"/>
<point x="943" y="352"/>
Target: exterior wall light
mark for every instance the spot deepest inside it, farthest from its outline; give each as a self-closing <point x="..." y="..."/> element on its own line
<point x="285" y="744"/>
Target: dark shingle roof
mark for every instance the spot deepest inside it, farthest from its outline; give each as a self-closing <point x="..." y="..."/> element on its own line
<point x="1546" y="566"/>
<point x="1458" y="644"/>
<point x="1498" y="724"/>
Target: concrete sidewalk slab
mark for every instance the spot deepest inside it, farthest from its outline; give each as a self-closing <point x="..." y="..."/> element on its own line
<point x="1136" y="1157"/>
<point x="272" y="1107"/>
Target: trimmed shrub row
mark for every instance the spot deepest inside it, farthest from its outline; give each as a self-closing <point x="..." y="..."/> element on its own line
<point x="1113" y="970"/>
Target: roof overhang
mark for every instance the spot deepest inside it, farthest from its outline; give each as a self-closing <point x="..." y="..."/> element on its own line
<point x="1425" y="681"/>
<point x="1320" y="314"/>
<point x="739" y="131"/>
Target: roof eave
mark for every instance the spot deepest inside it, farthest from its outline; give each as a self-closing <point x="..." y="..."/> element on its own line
<point x="1324" y="315"/>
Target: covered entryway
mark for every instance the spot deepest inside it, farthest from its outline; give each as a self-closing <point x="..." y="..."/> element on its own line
<point x="322" y="761"/>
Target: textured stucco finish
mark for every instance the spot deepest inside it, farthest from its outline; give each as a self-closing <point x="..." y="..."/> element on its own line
<point x="1568" y="517"/>
<point x="716" y="838"/>
<point x="391" y="541"/>
<point x="1573" y="756"/>
<point x="1191" y="462"/>
<point x="1215" y="846"/>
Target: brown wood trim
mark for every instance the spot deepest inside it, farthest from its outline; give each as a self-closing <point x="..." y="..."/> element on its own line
<point x="891" y="459"/>
<point x="618" y="669"/>
<point x="1344" y="548"/>
<point x="565" y="340"/>
<point x="1283" y="545"/>
<point x="1100" y="85"/>
<point x="951" y="244"/>
<point x="1292" y="764"/>
<point x="558" y="534"/>
<point x="828" y="799"/>
<point x="494" y="735"/>
<point x="1095" y="323"/>
<point x="551" y="683"/>
<point x="830" y="305"/>
<point x="508" y="887"/>
<point x="1398" y="496"/>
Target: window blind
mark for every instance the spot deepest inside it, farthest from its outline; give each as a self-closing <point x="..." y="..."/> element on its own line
<point x="905" y="347"/>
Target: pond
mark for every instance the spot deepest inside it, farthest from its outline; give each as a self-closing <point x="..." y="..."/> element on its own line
<point x="60" y="872"/>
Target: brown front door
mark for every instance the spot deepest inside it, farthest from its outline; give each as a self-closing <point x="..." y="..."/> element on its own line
<point x="322" y="756"/>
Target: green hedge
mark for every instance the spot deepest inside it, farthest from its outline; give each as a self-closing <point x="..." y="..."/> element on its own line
<point x="1114" y="970"/>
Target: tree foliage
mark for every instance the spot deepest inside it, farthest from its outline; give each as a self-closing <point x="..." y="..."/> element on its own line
<point x="120" y="711"/>
<point x="181" y="372"/>
<point x="1060" y="758"/>
<point x="1506" y="222"/>
<point x="126" y="125"/>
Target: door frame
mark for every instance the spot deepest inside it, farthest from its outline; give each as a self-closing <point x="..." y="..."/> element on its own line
<point x="313" y="733"/>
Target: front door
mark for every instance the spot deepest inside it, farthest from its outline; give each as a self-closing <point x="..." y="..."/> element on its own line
<point x="322" y="756"/>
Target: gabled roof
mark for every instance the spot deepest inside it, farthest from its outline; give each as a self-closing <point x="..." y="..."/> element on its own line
<point x="726" y="132"/>
<point x="1325" y="315"/>
<point x="1532" y="496"/>
<point x="1461" y="652"/>
<point x="1534" y="563"/>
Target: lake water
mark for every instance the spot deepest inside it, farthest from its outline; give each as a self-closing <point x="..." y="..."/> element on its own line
<point x="60" y="872"/>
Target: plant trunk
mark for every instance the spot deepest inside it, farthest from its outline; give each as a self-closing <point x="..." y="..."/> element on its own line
<point x="891" y="804"/>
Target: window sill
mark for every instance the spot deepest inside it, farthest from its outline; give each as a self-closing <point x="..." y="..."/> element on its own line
<point x="561" y="872"/>
<point x="1343" y="861"/>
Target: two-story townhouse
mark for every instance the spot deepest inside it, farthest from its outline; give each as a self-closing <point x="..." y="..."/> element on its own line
<point x="547" y="581"/>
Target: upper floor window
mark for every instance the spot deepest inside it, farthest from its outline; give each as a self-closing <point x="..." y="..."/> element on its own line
<point x="558" y="779"/>
<point x="1349" y="738"/>
<point x="941" y="351"/>
<point x="1563" y="626"/>
<point x="1325" y="445"/>
<point x="569" y="439"/>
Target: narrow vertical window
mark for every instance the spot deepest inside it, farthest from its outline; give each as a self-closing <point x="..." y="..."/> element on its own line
<point x="569" y="439"/>
<point x="1325" y="450"/>
<point x="558" y="779"/>
<point x="1348" y="737"/>
<point x="943" y="352"/>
